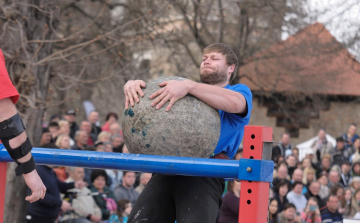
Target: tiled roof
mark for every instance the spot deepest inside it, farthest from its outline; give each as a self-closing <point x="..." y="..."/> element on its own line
<point x="312" y="61"/>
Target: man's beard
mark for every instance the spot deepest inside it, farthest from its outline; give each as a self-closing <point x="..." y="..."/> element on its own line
<point x="212" y="78"/>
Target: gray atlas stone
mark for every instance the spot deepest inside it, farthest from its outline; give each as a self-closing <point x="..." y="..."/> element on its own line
<point x="190" y="129"/>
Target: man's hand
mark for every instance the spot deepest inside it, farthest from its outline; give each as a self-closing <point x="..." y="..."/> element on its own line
<point x="171" y="91"/>
<point x="80" y="184"/>
<point x="95" y="218"/>
<point x="66" y="206"/>
<point x="131" y="91"/>
<point x="34" y="182"/>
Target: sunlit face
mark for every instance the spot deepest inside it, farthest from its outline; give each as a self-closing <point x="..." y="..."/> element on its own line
<point x="214" y="69"/>
<point x="65" y="142"/>
<point x="99" y="183"/>
<point x="273" y="207"/>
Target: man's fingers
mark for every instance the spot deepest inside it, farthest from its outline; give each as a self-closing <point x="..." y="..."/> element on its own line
<point x="139" y="91"/>
<point x="126" y="101"/>
<point x="163" y="101"/>
<point x="163" y="83"/>
<point x="171" y="103"/>
<point x="43" y="193"/>
<point x="31" y="198"/>
<point x="158" y="92"/>
<point x="135" y="95"/>
<point x="131" y="100"/>
<point x="142" y="84"/>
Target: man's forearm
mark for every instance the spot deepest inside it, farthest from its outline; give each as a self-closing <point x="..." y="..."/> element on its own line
<point x="217" y="97"/>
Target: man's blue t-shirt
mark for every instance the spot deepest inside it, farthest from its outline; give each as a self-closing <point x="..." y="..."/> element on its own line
<point x="232" y="125"/>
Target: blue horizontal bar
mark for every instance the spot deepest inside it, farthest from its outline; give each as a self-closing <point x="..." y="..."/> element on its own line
<point x="137" y="162"/>
<point x="261" y="170"/>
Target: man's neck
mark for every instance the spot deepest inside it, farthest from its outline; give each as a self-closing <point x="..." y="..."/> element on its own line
<point x="126" y="186"/>
<point x="81" y="146"/>
<point x="222" y="84"/>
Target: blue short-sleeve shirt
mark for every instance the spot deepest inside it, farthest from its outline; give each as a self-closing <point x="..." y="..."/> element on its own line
<point x="232" y="125"/>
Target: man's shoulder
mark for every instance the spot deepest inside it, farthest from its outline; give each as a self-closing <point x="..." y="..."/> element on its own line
<point x="239" y="88"/>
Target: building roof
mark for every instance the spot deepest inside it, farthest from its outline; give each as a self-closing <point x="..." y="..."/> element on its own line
<point x="312" y="62"/>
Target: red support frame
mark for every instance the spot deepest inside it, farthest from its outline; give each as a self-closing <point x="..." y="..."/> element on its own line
<point x="254" y="196"/>
<point x="3" y="169"/>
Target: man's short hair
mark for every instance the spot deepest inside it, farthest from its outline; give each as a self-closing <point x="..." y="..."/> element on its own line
<point x="326" y="156"/>
<point x="281" y="163"/>
<point x="297" y="183"/>
<point x="231" y="57"/>
<point x="113" y="137"/>
<point x="53" y="124"/>
<point x="125" y="172"/>
<point x="77" y="133"/>
<point x="339" y="139"/>
<point x="289" y="205"/>
<point x="331" y="195"/>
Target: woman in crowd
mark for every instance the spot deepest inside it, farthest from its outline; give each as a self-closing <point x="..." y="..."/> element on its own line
<point x="354" y="204"/>
<point x="104" y="136"/>
<point x="273" y="211"/>
<point x="356" y="156"/>
<point x="62" y="142"/>
<point x="108" y="147"/>
<point x="355" y="170"/>
<point x="306" y="162"/>
<point x="229" y="211"/>
<point x="324" y="190"/>
<point x="124" y="209"/>
<point x="339" y="192"/>
<point x="110" y="119"/>
<point x="64" y="128"/>
<point x="98" y="180"/>
<point x="309" y="176"/>
<point x="355" y="184"/>
<point x="312" y="212"/>
<point x="346" y="201"/>
<point x="281" y="191"/>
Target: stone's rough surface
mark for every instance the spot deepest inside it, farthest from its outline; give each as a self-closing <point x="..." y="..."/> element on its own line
<point x="190" y="129"/>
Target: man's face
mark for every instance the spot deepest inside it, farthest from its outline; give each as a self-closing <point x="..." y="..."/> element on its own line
<point x="321" y="134"/>
<point x="93" y="117"/>
<point x="285" y="139"/>
<point x="115" y="129"/>
<point x="282" y="172"/>
<point x="332" y="203"/>
<point x="346" y="168"/>
<point x="77" y="174"/>
<point x="214" y="69"/>
<point x="290" y="213"/>
<point x="86" y="126"/>
<point x="117" y="142"/>
<point x="70" y="118"/>
<point x="334" y="177"/>
<point x="340" y="145"/>
<point x="314" y="188"/>
<point x="291" y="161"/>
<point x="53" y="129"/>
<point x="298" y="175"/>
<point x="352" y="130"/>
<point x="298" y="189"/>
<point x="325" y="163"/>
<point x="45" y="138"/>
<point x="82" y="138"/>
<point x="129" y="179"/>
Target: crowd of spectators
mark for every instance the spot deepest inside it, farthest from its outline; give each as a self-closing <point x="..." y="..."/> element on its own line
<point x="84" y="195"/>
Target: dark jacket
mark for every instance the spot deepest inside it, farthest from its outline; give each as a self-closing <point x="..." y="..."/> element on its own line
<point x="321" y="203"/>
<point x="73" y="128"/>
<point x="101" y="202"/>
<point x="280" y="204"/>
<point x="279" y="149"/>
<point x="95" y="129"/>
<point x="229" y="211"/>
<point x="49" y="206"/>
<point x="327" y="216"/>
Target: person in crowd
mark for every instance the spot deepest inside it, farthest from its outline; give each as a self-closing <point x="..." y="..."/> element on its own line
<point x="334" y="178"/>
<point x="124" y="210"/>
<point x="324" y="166"/>
<point x="296" y="197"/>
<point x="54" y="131"/>
<point x="63" y="141"/>
<point x="86" y="126"/>
<point x="350" y="136"/>
<point x="324" y="189"/>
<point x="354" y="204"/>
<point x="330" y="213"/>
<point x="345" y="176"/>
<point x="309" y="176"/>
<point x="298" y="175"/>
<point x="356" y="148"/>
<point x="289" y="214"/>
<point x="81" y="138"/>
<point x="115" y="128"/>
<point x="306" y="162"/>
<point x="111" y="118"/>
<point x="144" y="179"/>
<point x="282" y="146"/>
<point x="115" y="177"/>
<point x="313" y="192"/>
<point x="346" y="201"/>
<point x="281" y="174"/>
<point x="70" y="117"/>
<point x="126" y="190"/>
<point x="355" y="183"/>
<point x="321" y="146"/>
<point x="117" y="142"/>
<point x="64" y="128"/>
<point x="85" y="210"/>
<point x="98" y="184"/>
<point x="93" y="118"/>
<point x="108" y="147"/>
<point x="229" y="210"/>
<point x="340" y="154"/>
<point x="104" y="136"/>
<point x="45" y="137"/>
<point x="339" y="192"/>
<point x="355" y="170"/>
<point x="47" y="210"/>
<point x="312" y="212"/>
<point x="99" y="146"/>
<point x="291" y="162"/>
<point x="295" y="152"/>
<point x="279" y="159"/>
<point x="280" y="193"/>
<point x="273" y="211"/>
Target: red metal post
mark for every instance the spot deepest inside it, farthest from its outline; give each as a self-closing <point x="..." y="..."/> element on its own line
<point x="254" y="196"/>
<point x="3" y="168"/>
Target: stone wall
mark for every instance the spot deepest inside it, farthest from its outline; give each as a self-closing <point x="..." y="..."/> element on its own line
<point x="336" y="120"/>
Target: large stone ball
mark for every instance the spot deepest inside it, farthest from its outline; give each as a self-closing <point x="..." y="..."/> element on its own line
<point x="190" y="129"/>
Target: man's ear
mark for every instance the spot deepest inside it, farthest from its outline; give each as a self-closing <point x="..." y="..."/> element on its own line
<point x="231" y="70"/>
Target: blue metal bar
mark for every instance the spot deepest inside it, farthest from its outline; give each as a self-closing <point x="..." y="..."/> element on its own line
<point x="137" y="162"/>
